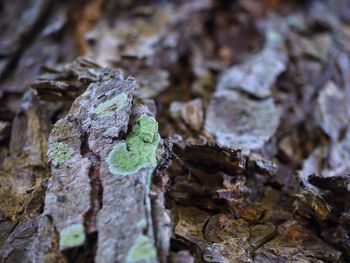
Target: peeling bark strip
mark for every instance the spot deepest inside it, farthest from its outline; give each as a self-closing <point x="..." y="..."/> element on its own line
<point x="106" y="133"/>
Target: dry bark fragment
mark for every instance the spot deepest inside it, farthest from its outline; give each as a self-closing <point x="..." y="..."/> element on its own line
<point x="109" y="145"/>
<point x="191" y="113"/>
<point x="60" y="83"/>
<point x="297" y="244"/>
<point x="258" y="74"/>
<point x="240" y="122"/>
<point x="25" y="168"/>
<point x="19" y="243"/>
<point x="183" y="44"/>
<point x="46" y="245"/>
<point x="334" y="111"/>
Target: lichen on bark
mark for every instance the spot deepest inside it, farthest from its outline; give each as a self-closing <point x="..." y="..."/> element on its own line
<point x="59" y="152"/>
<point x="72" y="236"/>
<point x="143" y="250"/>
<point x="111" y="106"/>
<point x="91" y="150"/>
<point x="139" y="149"/>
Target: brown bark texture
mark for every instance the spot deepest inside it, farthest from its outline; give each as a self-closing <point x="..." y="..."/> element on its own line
<point x="176" y="131"/>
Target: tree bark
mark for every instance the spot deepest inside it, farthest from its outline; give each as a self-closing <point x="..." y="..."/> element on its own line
<point x="174" y="131"/>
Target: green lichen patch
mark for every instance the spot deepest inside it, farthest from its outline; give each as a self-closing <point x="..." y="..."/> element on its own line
<point x="72" y="236"/>
<point x="62" y="129"/>
<point x="111" y="106"/>
<point x="142" y="224"/>
<point x="139" y="149"/>
<point x="59" y="152"/>
<point x="147" y="128"/>
<point x="143" y="250"/>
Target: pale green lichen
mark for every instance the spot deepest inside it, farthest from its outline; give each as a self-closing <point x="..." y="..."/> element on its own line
<point x="139" y="149"/>
<point x="59" y="153"/>
<point x="111" y="106"/>
<point x="143" y="250"/>
<point x="147" y="128"/>
<point x="142" y="224"/>
<point x="72" y="236"/>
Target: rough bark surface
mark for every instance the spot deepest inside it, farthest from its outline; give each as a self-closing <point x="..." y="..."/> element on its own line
<point x="174" y="131"/>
